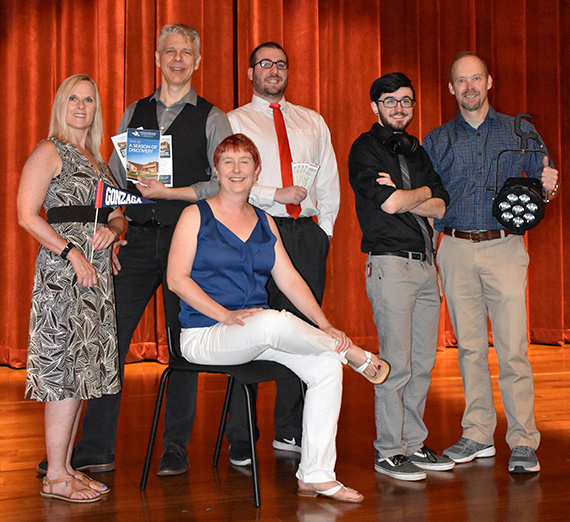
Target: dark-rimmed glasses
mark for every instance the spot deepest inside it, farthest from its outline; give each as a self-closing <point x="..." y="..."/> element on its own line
<point x="266" y="63"/>
<point x="406" y="102"/>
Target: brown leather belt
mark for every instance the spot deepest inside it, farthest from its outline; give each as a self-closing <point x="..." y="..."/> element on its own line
<point x="476" y="236"/>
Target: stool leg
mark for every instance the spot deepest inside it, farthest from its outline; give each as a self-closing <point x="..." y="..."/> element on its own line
<point x="251" y="419"/>
<point x="223" y="420"/>
<point x="161" y="387"/>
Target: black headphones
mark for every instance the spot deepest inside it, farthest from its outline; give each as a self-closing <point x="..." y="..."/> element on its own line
<point x="402" y="143"/>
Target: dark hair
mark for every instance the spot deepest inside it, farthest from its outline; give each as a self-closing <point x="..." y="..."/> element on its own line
<point x="271" y="45"/>
<point x="463" y="54"/>
<point x="390" y="82"/>
<point x="237" y="142"/>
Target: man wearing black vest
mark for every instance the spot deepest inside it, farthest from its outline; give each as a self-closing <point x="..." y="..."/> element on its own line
<point x="196" y="127"/>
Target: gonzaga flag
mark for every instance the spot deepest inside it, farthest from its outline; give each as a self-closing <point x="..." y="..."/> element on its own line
<point x="109" y="196"/>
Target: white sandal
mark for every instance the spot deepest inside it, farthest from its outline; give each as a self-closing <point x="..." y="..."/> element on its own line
<point x="329" y="493"/>
<point x="381" y="375"/>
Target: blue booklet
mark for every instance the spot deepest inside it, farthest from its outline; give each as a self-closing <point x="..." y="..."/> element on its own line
<point x="143" y="154"/>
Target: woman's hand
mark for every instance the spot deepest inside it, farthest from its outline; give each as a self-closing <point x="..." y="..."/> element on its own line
<point x="103" y="238"/>
<point x="237" y="316"/>
<point x="84" y="270"/>
<point x="343" y="344"/>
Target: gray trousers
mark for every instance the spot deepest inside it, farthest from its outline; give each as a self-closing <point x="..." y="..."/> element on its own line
<point x="405" y="303"/>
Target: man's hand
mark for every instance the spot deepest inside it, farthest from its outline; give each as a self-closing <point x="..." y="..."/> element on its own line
<point x="114" y="258"/>
<point x="151" y="188"/>
<point x="292" y="195"/>
<point x="549" y="176"/>
<point x="385" y="179"/>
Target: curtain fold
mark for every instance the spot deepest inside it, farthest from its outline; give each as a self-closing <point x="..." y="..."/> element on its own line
<point x="336" y="50"/>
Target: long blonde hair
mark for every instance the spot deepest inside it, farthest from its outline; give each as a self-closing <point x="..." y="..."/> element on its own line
<point x="58" y="125"/>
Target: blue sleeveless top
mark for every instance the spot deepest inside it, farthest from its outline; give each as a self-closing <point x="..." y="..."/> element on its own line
<point x="230" y="271"/>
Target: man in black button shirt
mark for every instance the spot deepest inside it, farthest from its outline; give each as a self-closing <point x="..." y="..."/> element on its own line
<point x="396" y="191"/>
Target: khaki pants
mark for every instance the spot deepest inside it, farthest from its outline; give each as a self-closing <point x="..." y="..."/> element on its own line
<point x="490" y="278"/>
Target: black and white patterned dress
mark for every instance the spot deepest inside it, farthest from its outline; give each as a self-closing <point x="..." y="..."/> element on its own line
<point x="72" y="349"/>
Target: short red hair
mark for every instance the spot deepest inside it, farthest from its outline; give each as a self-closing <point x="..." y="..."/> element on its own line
<point x="237" y="142"/>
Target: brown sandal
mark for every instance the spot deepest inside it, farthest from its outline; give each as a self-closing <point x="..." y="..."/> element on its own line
<point x="92" y="483"/>
<point x="73" y="480"/>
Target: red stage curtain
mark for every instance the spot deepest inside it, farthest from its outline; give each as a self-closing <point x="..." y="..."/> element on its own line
<point x="336" y="50"/>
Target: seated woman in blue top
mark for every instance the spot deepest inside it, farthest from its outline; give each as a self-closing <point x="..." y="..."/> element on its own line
<point x="222" y="253"/>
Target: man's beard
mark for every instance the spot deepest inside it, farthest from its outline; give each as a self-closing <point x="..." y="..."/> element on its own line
<point x="394" y="128"/>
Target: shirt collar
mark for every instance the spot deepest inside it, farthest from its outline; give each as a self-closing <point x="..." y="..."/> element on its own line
<point x="491" y="115"/>
<point x="263" y="105"/>
<point x="190" y="97"/>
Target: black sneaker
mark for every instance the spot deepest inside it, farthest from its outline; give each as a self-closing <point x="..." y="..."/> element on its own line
<point x="398" y="467"/>
<point x="287" y="445"/>
<point x="426" y="458"/>
<point x="42" y="467"/>
<point x="240" y="454"/>
<point x="173" y="461"/>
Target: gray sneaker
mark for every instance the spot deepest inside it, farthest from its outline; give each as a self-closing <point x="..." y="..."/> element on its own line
<point x="398" y="467"/>
<point x="523" y="460"/>
<point x="426" y="458"/>
<point x="467" y="449"/>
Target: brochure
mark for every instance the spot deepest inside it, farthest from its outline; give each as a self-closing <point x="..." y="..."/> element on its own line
<point x="156" y="163"/>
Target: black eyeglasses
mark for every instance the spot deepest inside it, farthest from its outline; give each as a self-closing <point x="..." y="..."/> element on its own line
<point x="266" y="63"/>
<point x="406" y="102"/>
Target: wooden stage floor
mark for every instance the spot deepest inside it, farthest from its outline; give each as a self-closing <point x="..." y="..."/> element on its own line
<point x="481" y="491"/>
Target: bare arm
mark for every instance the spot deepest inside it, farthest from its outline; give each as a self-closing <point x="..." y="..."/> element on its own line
<point x="152" y="188"/>
<point x="43" y="164"/>
<point x="416" y="201"/>
<point x="405" y="200"/>
<point x="298" y="292"/>
<point x="433" y="208"/>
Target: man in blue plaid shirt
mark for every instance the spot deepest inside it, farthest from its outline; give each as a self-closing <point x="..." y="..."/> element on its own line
<point x="484" y="267"/>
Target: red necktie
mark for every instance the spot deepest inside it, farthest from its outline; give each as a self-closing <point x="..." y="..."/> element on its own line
<point x="284" y="156"/>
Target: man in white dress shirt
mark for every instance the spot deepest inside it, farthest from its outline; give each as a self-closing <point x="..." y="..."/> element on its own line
<point x="306" y="241"/>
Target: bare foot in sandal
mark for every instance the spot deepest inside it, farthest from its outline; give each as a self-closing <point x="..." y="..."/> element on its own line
<point x="69" y="489"/>
<point x="376" y="370"/>
<point x="332" y="489"/>
<point x="93" y="484"/>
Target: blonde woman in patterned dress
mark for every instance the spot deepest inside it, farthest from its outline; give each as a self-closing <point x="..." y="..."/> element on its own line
<point x="72" y="354"/>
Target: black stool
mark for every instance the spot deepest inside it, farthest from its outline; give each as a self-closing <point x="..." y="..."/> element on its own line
<point x="247" y="375"/>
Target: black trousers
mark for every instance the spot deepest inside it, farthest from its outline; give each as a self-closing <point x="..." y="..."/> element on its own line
<point x="307" y="245"/>
<point x="143" y="269"/>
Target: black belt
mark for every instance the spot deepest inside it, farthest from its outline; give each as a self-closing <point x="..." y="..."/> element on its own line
<point x="151" y="223"/>
<point x="476" y="236"/>
<point x="416" y="256"/>
<point x="78" y="214"/>
<point x="292" y="222"/>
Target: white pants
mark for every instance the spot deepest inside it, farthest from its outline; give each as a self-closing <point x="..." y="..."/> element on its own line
<point x="284" y="338"/>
